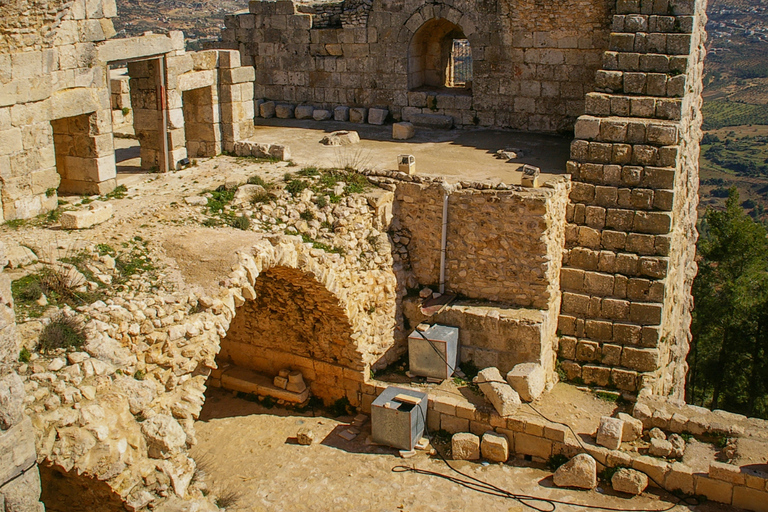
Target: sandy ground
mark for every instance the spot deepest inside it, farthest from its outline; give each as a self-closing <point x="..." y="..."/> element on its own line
<point x="250" y="453"/>
<point x="456" y="154"/>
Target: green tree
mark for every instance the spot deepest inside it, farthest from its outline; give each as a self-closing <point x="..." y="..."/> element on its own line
<point x="729" y="346"/>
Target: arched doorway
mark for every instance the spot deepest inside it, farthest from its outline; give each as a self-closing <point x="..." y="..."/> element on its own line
<point x="294" y="322"/>
<point x="439" y="57"/>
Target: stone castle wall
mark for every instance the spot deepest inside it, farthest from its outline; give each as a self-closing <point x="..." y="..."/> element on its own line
<point x="630" y="240"/>
<point x="19" y="476"/>
<point x="532" y="61"/>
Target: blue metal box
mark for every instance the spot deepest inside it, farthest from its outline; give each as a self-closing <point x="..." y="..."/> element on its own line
<point x="432" y="353"/>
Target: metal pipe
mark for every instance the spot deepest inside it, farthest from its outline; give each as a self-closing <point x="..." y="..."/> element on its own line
<point x="443" y="241"/>
<point x="162" y="103"/>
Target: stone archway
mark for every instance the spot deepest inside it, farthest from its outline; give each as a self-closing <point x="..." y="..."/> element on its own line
<point x="432" y="55"/>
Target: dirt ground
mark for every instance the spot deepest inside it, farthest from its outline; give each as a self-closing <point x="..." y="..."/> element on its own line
<point x="249" y="455"/>
<point x="457" y="154"/>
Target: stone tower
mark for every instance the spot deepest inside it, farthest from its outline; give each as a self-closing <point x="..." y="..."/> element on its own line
<point x="630" y="239"/>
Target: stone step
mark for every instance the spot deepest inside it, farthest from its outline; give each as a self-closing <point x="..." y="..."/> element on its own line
<point x="651" y="42"/>
<point x="628" y="130"/>
<point x="633" y="23"/>
<point x="433" y="121"/>
<point x="651" y="107"/>
<point x="637" y="83"/>
<point x="645" y="62"/>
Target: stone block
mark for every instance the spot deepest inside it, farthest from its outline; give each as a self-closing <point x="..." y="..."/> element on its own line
<point x="527" y="444"/>
<point x="504" y="399"/>
<point x="403" y="131"/>
<point x="279" y="151"/>
<point x="579" y="472"/>
<point x="528" y="379"/>
<point x="680" y="478"/>
<point x="494" y="447"/>
<point x="433" y="121"/>
<point x="632" y="429"/>
<point x="609" y="433"/>
<point x="357" y="114"/>
<point x="377" y="116"/>
<point x="321" y="115"/>
<point x="17" y="449"/>
<point x="284" y="111"/>
<point x="229" y="59"/>
<point x="750" y="499"/>
<point x="465" y="446"/>
<point x="238" y="75"/>
<point x="341" y="113"/>
<point x="96" y="214"/>
<point x="629" y="481"/>
<point x="304" y="112"/>
<point x="267" y="109"/>
<point x="715" y="490"/>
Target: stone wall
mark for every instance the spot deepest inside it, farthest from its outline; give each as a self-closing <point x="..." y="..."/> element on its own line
<point x="532" y="61"/>
<point x="19" y="477"/>
<point x="630" y="241"/>
<point x="502" y="245"/>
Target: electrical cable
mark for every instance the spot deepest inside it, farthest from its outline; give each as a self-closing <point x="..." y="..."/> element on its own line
<point x="484" y="487"/>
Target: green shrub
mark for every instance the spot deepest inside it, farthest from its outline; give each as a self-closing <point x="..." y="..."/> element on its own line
<point x="241" y="222"/>
<point x="63" y="332"/>
<point x="295" y="187"/>
<point x="24" y="355"/>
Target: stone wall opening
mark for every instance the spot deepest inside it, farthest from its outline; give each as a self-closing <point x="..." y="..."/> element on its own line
<point x="294" y="323"/>
<point x="66" y="491"/>
<point x="148" y="123"/>
<point x="85" y="157"/>
<point x="201" y="126"/>
<point x="439" y="57"/>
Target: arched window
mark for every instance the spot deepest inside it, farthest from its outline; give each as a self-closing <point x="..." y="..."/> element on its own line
<point x="439" y="57"/>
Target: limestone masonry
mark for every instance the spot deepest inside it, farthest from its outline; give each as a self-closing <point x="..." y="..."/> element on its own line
<point x="587" y="276"/>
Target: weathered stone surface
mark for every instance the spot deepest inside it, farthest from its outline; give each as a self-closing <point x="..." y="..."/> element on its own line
<point x="403" y="131"/>
<point x="377" y="116"/>
<point x="494" y="447"/>
<point x="96" y="214"/>
<point x="609" y="433"/>
<point x="164" y="436"/>
<point x="340" y="138"/>
<point x="504" y="399"/>
<point x="465" y="446"/>
<point x="11" y="400"/>
<point x="633" y="428"/>
<point x="629" y="481"/>
<point x="528" y="380"/>
<point x="579" y="472"/>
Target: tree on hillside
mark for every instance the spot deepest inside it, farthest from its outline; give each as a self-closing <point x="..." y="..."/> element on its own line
<point x="729" y="350"/>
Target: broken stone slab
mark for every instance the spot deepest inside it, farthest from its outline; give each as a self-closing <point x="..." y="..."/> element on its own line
<point x="20" y="256"/>
<point x="377" y="116"/>
<point x="280" y="152"/>
<point x="660" y="448"/>
<point x="633" y="428"/>
<point x="284" y="111"/>
<point x="358" y="114"/>
<point x="97" y="213"/>
<point x="196" y="200"/>
<point x="509" y="153"/>
<point x="321" y="115"/>
<point x="433" y="121"/>
<point x="504" y="399"/>
<point x="629" y="481"/>
<point x="246" y="192"/>
<point x="528" y="380"/>
<point x="341" y="113"/>
<point x="579" y="472"/>
<point x="609" y="432"/>
<point x="403" y="131"/>
<point x="304" y="111"/>
<point x="340" y="138"/>
<point x="267" y="109"/>
<point x="465" y="446"/>
<point x="494" y="447"/>
<point x="164" y="436"/>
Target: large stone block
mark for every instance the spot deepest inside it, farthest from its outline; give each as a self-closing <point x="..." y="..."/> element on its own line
<point x="304" y="112"/>
<point x="357" y="114"/>
<point x="99" y="212"/>
<point x="465" y="446"/>
<point x="629" y="481"/>
<point x="528" y="380"/>
<point x="403" y="131"/>
<point x="504" y="399"/>
<point x="341" y="113"/>
<point x="494" y="447"/>
<point x="579" y="472"/>
<point x="284" y="111"/>
<point x="609" y="432"/>
<point x="377" y="116"/>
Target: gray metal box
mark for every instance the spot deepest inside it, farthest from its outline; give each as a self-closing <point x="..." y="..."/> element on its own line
<point x="397" y="423"/>
<point x="432" y="353"/>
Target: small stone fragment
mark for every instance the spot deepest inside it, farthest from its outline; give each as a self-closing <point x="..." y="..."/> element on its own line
<point x="579" y="472"/>
<point x="660" y="447"/>
<point x="678" y="446"/>
<point x="340" y="138"/>
<point x="465" y="446"/>
<point x="305" y="436"/>
<point x="629" y="481"/>
<point x="657" y="433"/>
